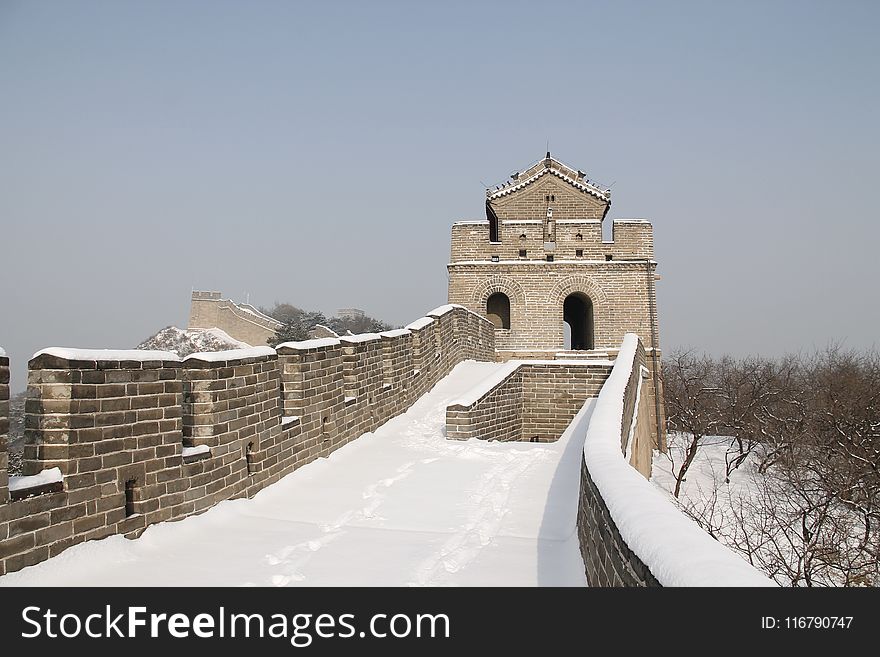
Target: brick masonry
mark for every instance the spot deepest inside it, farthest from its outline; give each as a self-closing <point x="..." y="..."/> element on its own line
<point x="118" y="429"/>
<point x="534" y="403"/>
<point x="239" y="320"/>
<point x="551" y="210"/>
<point x="608" y="560"/>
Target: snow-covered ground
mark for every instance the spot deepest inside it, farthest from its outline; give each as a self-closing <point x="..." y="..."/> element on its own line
<point x="705" y="477"/>
<point x="402" y="506"/>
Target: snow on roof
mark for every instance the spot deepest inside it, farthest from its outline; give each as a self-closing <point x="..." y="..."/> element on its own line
<point x="475" y="222"/>
<point x="310" y="344"/>
<point x="106" y="354"/>
<point x="360" y="337"/>
<point x="395" y="333"/>
<point x="50" y="476"/>
<point x="420" y="323"/>
<point x="231" y="354"/>
<point x="2" y="352"/>
<point x="631" y="221"/>
<point x="584" y="186"/>
<point x="675" y="549"/>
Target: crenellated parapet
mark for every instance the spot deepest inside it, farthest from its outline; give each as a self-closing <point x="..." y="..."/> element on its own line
<point x="119" y="440"/>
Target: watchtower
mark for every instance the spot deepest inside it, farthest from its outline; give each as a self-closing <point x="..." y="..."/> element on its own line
<point x="538" y="268"/>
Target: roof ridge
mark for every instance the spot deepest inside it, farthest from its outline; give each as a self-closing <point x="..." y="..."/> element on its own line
<point x="583" y="185"/>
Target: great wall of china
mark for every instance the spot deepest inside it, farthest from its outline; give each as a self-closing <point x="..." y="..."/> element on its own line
<point x="117" y="441"/>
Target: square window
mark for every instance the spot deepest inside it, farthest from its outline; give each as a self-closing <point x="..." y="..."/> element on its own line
<point x="549" y="258"/>
<point x="494" y="258"/>
<point x="522" y="253"/>
<point x="579" y="253"/>
<point x="609" y="257"/>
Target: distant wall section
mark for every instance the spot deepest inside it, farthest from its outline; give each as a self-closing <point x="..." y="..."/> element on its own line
<point x="239" y="320"/>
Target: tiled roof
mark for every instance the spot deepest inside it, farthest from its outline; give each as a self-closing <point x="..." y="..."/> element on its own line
<point x="550" y="166"/>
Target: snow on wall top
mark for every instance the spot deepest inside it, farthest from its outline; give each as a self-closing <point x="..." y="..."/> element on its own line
<point x="231" y="354"/>
<point x="395" y="333"/>
<point x="50" y="476"/>
<point x="497" y="377"/>
<point x="107" y="354"/>
<point x="420" y="323"/>
<point x="442" y="310"/>
<point x="486" y="385"/>
<point x="360" y="337"/>
<point x="248" y="308"/>
<point x="673" y="547"/>
<point x="310" y="344"/>
<point x="2" y="352"/>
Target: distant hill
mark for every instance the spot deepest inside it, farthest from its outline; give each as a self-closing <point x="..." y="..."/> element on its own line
<point x="184" y="342"/>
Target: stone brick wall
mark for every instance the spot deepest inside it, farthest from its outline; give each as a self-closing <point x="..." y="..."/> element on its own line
<point x="619" y="292"/>
<point x="554" y="393"/>
<point x="145" y="441"/>
<point x="4" y="428"/>
<point x="534" y="402"/>
<point x="496" y="415"/>
<point x="607" y="558"/>
<point x="241" y="321"/>
<point x="630" y="533"/>
<point x="631" y="239"/>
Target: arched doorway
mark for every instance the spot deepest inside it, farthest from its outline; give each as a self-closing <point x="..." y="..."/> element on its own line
<point x="577" y="313"/>
<point x="498" y="310"/>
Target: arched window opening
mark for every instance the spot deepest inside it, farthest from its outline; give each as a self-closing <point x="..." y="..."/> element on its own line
<point x="498" y="310"/>
<point x="577" y="313"/>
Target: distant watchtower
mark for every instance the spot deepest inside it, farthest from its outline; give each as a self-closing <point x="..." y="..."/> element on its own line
<point x="538" y="268"/>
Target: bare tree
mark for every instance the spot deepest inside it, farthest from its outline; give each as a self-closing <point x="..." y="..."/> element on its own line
<point x="690" y="394"/>
<point x="810" y="515"/>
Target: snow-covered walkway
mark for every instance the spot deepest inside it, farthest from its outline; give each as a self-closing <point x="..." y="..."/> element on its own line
<point x="402" y="506"/>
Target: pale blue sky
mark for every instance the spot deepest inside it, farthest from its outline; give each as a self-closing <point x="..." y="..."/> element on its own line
<point x="317" y="153"/>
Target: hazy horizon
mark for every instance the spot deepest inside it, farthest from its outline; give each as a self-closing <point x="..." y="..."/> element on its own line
<point x="317" y="154"/>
